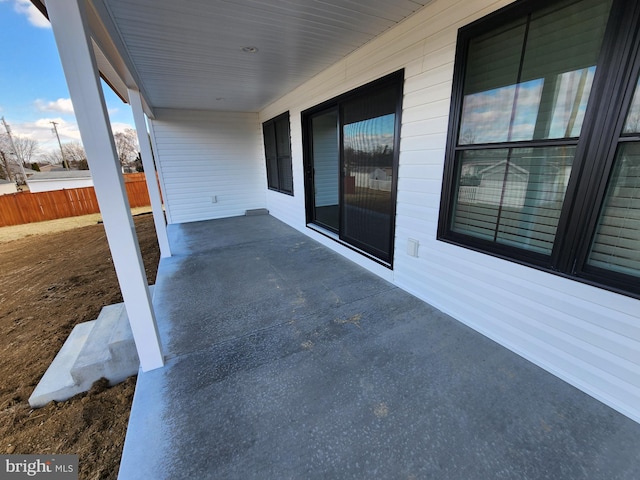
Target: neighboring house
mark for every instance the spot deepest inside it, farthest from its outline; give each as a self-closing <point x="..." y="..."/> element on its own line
<point x="430" y="97"/>
<point x="7" y="186"/>
<point x="52" y="168"/>
<point x="59" y="180"/>
<point x="20" y="173"/>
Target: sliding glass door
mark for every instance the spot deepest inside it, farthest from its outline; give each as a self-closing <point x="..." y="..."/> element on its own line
<point x="351" y="163"/>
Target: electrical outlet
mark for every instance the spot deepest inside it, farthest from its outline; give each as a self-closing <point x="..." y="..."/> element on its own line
<point x="412" y="247"/>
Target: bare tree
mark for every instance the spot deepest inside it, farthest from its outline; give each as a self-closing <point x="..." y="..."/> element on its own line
<point x="127" y="147"/>
<point x="51" y="157"/>
<point x="74" y="154"/>
<point x="26" y="148"/>
<point x="5" y="171"/>
<point x="15" y="160"/>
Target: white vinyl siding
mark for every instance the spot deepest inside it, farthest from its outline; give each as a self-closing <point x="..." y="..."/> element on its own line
<point x="7" y="187"/>
<point x="588" y="336"/>
<point x="204" y="154"/>
<point x="48" y="185"/>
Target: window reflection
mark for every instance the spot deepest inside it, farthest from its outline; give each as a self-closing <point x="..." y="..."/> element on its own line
<point x="368" y="154"/>
<point x="552" y="107"/>
<point x="513" y="196"/>
<point x="632" y="124"/>
<point x="502" y="114"/>
<point x="368" y="164"/>
<point x="570" y="102"/>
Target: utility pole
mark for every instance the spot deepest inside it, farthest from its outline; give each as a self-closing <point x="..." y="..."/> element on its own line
<point x="15" y="150"/>
<point x="65" y="164"/>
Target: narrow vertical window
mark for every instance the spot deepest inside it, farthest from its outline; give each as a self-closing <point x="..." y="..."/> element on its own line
<point x="277" y="148"/>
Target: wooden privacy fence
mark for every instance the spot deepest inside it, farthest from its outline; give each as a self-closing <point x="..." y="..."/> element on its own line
<point x="26" y="207"/>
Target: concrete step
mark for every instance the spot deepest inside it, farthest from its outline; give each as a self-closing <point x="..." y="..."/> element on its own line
<point x="101" y="348"/>
<point x="100" y="357"/>
<point x="122" y="347"/>
<point x="57" y="382"/>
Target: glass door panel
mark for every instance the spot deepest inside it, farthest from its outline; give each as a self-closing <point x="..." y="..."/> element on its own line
<point x="368" y="136"/>
<point x="326" y="169"/>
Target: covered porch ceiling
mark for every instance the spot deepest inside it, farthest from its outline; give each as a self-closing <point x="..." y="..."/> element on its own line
<point x="201" y="54"/>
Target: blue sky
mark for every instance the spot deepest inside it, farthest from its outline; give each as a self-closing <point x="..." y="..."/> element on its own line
<point x="33" y="91"/>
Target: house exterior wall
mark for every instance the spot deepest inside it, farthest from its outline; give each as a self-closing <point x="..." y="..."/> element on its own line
<point x="588" y="336"/>
<point x="8" y="187"/>
<point x="36" y="186"/>
<point x="204" y="154"/>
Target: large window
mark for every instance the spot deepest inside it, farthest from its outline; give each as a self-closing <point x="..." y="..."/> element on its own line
<point x="543" y="154"/>
<point x="351" y="162"/>
<point x="277" y="148"/>
<point x="615" y="246"/>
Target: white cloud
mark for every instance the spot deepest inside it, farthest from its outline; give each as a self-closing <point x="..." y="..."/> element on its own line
<point x="68" y="131"/>
<point x="35" y="17"/>
<point x="61" y="105"/>
<point x="487" y="116"/>
<point x="120" y="126"/>
<point x="41" y="130"/>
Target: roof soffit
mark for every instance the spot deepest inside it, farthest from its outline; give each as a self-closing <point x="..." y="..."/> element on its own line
<point x="189" y="54"/>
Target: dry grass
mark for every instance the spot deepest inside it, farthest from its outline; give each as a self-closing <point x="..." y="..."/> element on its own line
<point x="15" y="232"/>
<point x="50" y="282"/>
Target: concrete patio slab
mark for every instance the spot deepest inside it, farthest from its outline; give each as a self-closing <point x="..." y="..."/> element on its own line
<point x="287" y="361"/>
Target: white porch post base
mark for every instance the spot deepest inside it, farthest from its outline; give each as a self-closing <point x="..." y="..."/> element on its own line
<point x="150" y="172"/>
<point x="69" y="22"/>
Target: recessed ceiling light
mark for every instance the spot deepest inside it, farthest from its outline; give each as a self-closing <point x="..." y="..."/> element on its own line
<point x="250" y="49"/>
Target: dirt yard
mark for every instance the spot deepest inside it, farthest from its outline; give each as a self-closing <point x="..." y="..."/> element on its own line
<point x="49" y="282"/>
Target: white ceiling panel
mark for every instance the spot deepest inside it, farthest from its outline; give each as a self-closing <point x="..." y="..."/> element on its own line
<point x="188" y="54"/>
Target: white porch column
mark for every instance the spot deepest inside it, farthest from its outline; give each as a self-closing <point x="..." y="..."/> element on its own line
<point x="69" y="22"/>
<point x="150" y="172"/>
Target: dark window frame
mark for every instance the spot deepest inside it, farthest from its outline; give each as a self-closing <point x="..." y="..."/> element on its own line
<point x="282" y="160"/>
<point x="616" y="76"/>
<point x="396" y="78"/>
